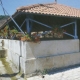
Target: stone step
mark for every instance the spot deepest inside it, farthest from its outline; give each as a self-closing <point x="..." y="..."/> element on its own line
<point x="3" y="52"/>
<point x="50" y="62"/>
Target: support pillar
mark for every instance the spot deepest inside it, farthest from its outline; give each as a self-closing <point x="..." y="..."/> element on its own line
<point x="75" y="30"/>
<point x="29" y="24"/>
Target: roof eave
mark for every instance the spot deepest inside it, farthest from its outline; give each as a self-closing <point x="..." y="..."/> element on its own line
<point x="19" y="12"/>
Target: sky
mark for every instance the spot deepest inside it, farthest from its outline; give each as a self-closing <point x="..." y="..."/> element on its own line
<point x="11" y="5"/>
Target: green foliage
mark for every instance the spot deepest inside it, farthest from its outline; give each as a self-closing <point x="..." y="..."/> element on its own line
<point x="3" y="17"/>
<point x="6" y="27"/>
<point x="14" y="31"/>
<point x="45" y="71"/>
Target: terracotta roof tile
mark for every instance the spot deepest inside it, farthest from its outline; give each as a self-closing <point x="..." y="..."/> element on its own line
<point x="51" y="9"/>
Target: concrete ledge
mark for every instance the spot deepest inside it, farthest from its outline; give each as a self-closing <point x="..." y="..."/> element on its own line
<point x="58" y="61"/>
<point x="54" y="62"/>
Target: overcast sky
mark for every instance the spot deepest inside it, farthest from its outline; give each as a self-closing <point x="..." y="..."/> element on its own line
<point x="12" y="5"/>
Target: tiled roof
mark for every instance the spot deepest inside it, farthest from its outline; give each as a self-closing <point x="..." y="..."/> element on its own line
<point x="51" y="9"/>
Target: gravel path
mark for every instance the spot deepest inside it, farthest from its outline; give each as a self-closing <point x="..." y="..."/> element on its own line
<point x="67" y="74"/>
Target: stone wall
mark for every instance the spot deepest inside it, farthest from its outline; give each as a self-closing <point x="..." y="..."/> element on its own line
<point x="32" y="56"/>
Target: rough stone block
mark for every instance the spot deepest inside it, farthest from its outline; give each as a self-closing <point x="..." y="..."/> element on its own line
<point x="3" y="53"/>
<point x="30" y="66"/>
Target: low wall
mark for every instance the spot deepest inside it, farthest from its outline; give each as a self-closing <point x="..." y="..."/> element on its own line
<point x="49" y="48"/>
<point x="13" y="49"/>
<point x="32" y="56"/>
<point x="53" y="62"/>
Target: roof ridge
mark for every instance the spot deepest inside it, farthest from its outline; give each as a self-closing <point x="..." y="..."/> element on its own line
<point x="27" y="7"/>
<point x="45" y="4"/>
<point x="32" y="6"/>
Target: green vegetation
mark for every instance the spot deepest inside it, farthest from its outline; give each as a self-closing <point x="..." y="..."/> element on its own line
<point x="3" y="17"/>
<point x="8" y="68"/>
<point x="9" y="72"/>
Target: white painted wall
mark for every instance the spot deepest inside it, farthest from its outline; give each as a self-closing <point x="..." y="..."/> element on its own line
<point x="49" y="48"/>
<point x="14" y="50"/>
